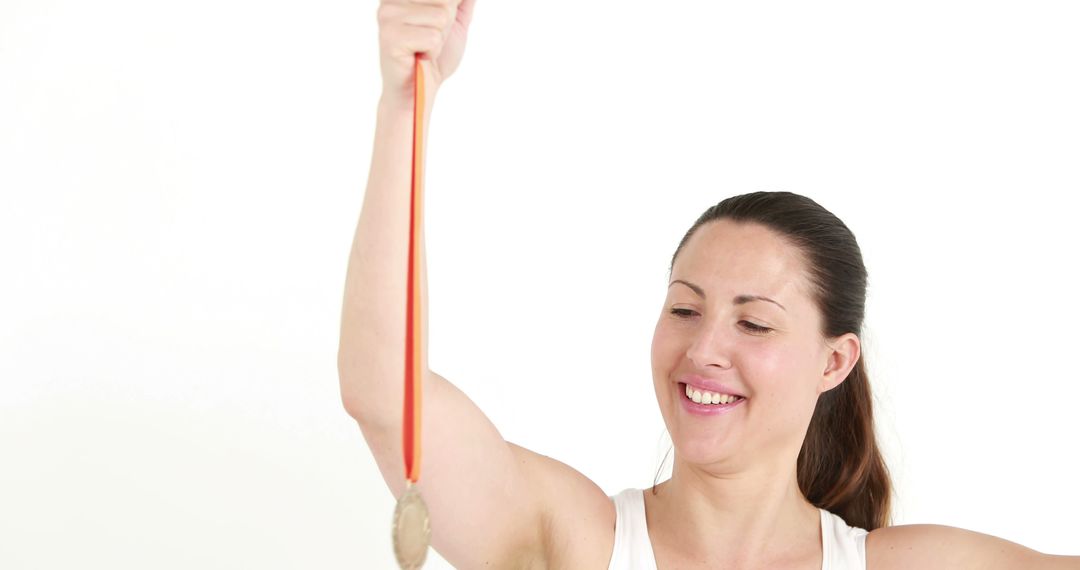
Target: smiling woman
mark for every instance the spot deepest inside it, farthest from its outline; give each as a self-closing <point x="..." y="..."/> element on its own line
<point x="180" y="183"/>
<point x="759" y="341"/>
<point x="760" y="378"/>
<point x="758" y="371"/>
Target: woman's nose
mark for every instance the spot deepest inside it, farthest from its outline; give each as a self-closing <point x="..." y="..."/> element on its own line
<point x="709" y="348"/>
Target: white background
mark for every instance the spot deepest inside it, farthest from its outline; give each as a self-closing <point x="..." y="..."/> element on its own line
<point x="179" y="184"/>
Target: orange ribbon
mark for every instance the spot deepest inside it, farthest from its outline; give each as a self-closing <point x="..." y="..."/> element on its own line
<point x="414" y="374"/>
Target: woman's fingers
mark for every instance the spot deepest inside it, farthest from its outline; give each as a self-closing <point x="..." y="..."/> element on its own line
<point x="410" y="27"/>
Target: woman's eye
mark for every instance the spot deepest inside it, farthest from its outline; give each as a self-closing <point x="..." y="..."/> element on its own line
<point x="686" y="313"/>
<point x="756" y="328"/>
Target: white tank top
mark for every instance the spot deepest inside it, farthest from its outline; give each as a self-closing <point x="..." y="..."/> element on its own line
<point x="843" y="547"/>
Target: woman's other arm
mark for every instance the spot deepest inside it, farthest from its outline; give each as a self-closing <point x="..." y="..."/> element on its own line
<point x="940" y="547"/>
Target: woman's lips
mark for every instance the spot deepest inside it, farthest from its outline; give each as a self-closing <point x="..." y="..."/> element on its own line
<point x="704" y="409"/>
<point x="702" y="383"/>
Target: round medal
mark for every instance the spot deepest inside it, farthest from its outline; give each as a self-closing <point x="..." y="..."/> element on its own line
<point x="412" y="529"/>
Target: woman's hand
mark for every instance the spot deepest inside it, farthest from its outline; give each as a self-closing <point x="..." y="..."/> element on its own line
<point x="437" y="29"/>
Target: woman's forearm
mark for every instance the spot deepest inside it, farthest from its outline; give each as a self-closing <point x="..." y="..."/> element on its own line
<point x="371" y="351"/>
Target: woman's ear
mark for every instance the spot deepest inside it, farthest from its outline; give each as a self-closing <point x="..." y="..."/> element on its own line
<point x="842" y="353"/>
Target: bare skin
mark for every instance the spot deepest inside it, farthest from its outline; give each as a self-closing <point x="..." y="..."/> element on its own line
<point x="793" y="543"/>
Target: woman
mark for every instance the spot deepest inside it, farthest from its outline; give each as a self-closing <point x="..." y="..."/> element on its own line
<point x="765" y="306"/>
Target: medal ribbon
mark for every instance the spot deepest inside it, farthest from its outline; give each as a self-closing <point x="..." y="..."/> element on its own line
<point x="414" y="374"/>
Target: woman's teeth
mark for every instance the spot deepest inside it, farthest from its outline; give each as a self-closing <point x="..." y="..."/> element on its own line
<point x="705" y="397"/>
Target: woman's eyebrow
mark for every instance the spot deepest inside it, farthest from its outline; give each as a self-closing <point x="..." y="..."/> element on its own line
<point x="738" y="300"/>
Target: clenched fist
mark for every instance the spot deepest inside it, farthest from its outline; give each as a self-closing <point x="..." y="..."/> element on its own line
<point x="436" y="29"/>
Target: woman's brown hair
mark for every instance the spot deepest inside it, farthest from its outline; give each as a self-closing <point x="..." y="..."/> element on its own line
<point x="840" y="467"/>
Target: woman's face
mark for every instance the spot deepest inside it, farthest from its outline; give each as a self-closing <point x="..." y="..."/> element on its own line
<point x="781" y="370"/>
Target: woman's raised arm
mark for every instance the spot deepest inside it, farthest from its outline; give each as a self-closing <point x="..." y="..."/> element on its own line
<point x="486" y="497"/>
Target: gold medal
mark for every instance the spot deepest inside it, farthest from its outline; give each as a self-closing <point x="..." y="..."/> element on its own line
<point x="412" y="529"/>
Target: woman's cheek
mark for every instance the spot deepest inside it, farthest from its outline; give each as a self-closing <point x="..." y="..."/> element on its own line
<point x="759" y="362"/>
<point x="666" y="342"/>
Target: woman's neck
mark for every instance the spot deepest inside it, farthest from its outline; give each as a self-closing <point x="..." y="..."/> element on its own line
<point x="749" y="519"/>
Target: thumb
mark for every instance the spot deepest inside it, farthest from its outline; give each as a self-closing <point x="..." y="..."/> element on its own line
<point x="465" y="12"/>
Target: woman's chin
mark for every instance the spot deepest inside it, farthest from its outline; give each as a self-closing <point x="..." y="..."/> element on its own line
<point x="701" y="448"/>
